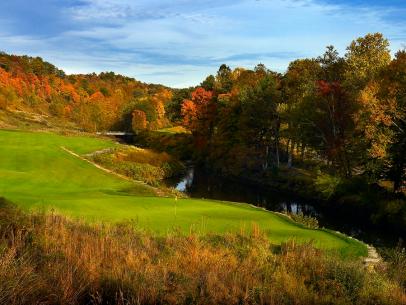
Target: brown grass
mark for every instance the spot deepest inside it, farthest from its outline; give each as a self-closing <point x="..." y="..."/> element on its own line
<point x="140" y="155"/>
<point x="47" y="259"/>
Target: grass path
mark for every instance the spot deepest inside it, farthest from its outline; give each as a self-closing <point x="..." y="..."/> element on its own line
<point x="36" y="173"/>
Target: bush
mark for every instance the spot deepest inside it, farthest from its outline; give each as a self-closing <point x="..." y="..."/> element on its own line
<point x="327" y="185"/>
<point x="396" y="263"/>
<point x="308" y="221"/>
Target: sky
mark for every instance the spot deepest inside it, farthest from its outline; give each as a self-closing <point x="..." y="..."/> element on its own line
<point x="179" y="42"/>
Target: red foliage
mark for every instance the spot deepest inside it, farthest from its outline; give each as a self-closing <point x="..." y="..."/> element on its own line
<point x="201" y="96"/>
<point x="198" y="111"/>
<point x="326" y="88"/>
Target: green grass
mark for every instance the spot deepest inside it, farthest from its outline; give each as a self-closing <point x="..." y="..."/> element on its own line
<point x="36" y="173"/>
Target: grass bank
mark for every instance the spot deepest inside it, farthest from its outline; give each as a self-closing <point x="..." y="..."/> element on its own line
<point x="139" y="164"/>
<point x="36" y="173"/>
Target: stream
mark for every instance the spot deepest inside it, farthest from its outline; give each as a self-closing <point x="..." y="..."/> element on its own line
<point x="197" y="183"/>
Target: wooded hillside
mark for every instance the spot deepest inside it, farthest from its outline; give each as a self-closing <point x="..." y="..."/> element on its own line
<point x="94" y="102"/>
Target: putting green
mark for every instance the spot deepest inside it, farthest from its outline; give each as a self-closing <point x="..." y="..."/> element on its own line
<point x="36" y="173"/>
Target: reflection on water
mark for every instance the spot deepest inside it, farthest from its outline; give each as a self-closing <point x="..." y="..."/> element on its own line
<point x="198" y="184"/>
<point x="185" y="182"/>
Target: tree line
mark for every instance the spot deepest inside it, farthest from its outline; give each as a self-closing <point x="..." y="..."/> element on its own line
<point x="348" y="112"/>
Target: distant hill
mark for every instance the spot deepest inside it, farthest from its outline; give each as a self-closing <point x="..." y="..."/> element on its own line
<point x="30" y="87"/>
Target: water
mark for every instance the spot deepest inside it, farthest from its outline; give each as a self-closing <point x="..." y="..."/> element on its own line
<point x="199" y="184"/>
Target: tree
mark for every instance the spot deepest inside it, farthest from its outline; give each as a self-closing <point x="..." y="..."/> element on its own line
<point x="299" y="83"/>
<point x="224" y="81"/>
<point x="365" y="58"/>
<point x="209" y="83"/>
<point x="332" y="65"/>
<point x="333" y="112"/>
<point x="199" y="111"/>
<point x="199" y="114"/>
<point x="139" y="121"/>
<point x="189" y="113"/>
<point x="320" y="110"/>
<point x="260" y="121"/>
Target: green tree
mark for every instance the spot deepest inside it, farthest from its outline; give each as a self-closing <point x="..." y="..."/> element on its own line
<point x="224" y="80"/>
<point x="365" y="58"/>
<point x="260" y="120"/>
<point x="299" y="83"/>
<point x="209" y="83"/>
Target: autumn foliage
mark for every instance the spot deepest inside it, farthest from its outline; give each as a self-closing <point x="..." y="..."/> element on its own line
<point x="139" y="120"/>
<point x="198" y="110"/>
<point x="94" y="102"/>
<point x="347" y="112"/>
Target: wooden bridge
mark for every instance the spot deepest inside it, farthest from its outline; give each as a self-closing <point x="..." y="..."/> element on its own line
<point x="115" y="133"/>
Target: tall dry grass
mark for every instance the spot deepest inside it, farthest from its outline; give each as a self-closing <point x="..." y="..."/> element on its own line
<point x="47" y="259"/>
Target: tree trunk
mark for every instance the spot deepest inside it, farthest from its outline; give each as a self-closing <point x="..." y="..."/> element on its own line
<point x="277" y="154"/>
<point x="302" y="150"/>
<point x="287" y="147"/>
<point x="265" y="164"/>
<point x="290" y="154"/>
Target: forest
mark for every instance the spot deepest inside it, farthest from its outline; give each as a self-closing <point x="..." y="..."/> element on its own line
<point x="346" y="112"/>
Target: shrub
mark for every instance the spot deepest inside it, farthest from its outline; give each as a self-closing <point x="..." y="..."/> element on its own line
<point x="396" y="263"/>
<point x="327" y="185"/>
<point x="308" y="221"/>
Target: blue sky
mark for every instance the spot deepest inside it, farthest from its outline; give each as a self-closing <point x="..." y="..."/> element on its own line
<point x="179" y="42"/>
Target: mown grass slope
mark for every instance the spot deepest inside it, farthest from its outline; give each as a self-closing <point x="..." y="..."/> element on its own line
<point x="36" y="173"/>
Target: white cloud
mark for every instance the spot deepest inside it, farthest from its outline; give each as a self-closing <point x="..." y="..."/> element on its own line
<point x="149" y="39"/>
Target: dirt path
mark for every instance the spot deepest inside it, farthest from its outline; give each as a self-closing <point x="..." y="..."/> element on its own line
<point x="99" y="167"/>
<point x="99" y="152"/>
<point x="156" y="190"/>
<point x="373" y="257"/>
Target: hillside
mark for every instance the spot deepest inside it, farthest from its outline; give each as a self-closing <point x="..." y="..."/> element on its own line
<point x="92" y="102"/>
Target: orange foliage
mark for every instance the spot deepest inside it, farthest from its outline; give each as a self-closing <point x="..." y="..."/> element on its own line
<point x="189" y="112"/>
<point x="93" y="101"/>
<point x="139" y="120"/>
<point x="198" y="111"/>
<point x="97" y="96"/>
